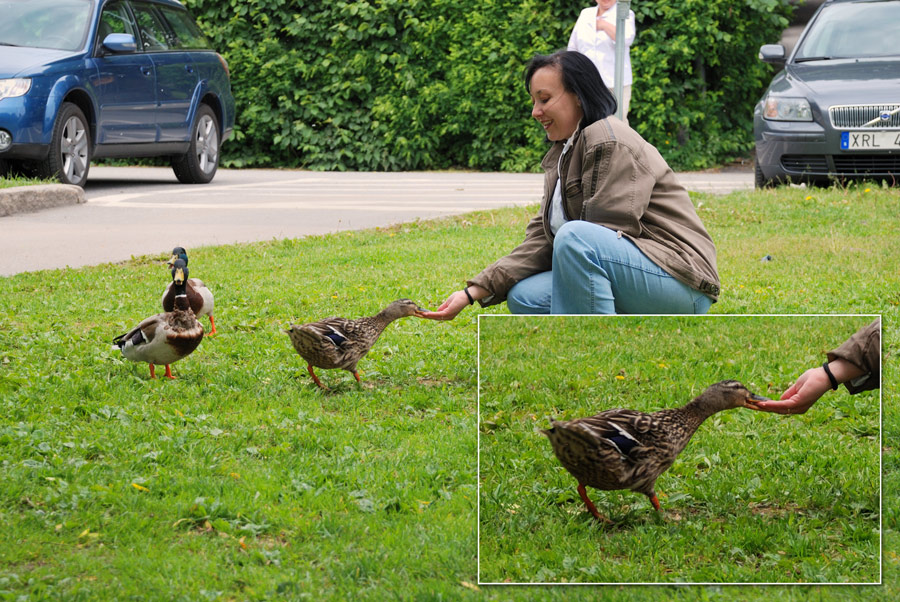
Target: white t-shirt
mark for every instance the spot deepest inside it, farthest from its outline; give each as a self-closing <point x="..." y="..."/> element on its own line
<point x="598" y="46"/>
<point x="557" y="213"/>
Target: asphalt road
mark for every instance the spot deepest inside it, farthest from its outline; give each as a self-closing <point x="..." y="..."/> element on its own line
<point x="133" y="211"/>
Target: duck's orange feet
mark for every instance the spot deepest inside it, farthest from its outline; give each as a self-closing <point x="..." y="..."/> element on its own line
<point x="356" y="374"/>
<point x="315" y="378"/>
<point x="655" y="501"/>
<point x="169" y="372"/>
<point x="212" y="323"/>
<point x="152" y="371"/>
<point x="590" y="505"/>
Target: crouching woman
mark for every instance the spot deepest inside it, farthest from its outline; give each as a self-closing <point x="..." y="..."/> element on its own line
<point x="616" y="232"/>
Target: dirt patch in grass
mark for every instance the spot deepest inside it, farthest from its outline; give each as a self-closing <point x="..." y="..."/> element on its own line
<point x="766" y="509"/>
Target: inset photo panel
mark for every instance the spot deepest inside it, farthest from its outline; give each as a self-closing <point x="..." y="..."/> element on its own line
<point x="712" y="449"/>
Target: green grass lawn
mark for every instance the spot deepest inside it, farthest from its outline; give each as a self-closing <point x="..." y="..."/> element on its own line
<point x="754" y="498"/>
<point x="241" y="481"/>
<point x="15" y="181"/>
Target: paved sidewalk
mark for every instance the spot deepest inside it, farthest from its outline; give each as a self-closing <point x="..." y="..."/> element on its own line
<point x="718" y="182"/>
<point x="133" y="211"/>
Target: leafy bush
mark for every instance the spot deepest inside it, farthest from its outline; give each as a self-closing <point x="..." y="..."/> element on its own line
<point x="697" y="75"/>
<point x="435" y="84"/>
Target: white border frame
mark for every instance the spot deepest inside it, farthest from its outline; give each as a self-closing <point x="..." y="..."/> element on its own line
<point x="691" y="583"/>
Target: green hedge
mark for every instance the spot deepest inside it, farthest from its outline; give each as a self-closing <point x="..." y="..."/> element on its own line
<point x="414" y="84"/>
<point x="697" y="75"/>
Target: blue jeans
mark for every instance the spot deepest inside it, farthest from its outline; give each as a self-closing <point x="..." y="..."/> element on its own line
<point x="596" y="272"/>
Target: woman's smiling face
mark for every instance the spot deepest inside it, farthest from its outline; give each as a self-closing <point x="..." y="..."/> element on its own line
<point x="557" y="110"/>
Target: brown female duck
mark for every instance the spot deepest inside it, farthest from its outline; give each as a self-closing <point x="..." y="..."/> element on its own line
<point x="626" y="449"/>
<point x="341" y="343"/>
<point x="165" y="338"/>
<point x="198" y="294"/>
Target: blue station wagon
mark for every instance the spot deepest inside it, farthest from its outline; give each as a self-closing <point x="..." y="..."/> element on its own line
<point x="85" y="79"/>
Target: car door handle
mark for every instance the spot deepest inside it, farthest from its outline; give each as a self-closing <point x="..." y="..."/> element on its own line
<point x="146" y="70"/>
<point x="189" y="68"/>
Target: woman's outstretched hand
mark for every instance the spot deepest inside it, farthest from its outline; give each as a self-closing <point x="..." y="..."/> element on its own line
<point x="800" y="396"/>
<point x="811" y="385"/>
<point x="448" y="310"/>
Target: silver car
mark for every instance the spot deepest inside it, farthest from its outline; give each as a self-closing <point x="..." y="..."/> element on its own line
<point x="834" y="111"/>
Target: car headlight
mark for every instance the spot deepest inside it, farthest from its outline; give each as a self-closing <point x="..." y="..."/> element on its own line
<point x="10" y="88"/>
<point x="778" y="108"/>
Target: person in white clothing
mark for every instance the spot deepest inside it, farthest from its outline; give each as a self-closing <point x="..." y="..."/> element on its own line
<point x="594" y="36"/>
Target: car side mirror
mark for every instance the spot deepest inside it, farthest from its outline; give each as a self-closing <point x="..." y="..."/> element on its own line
<point x="118" y="43"/>
<point x="772" y="53"/>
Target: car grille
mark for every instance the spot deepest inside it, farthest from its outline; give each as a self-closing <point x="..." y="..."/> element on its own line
<point x="857" y="116"/>
<point x="874" y="164"/>
<point x="805" y="163"/>
<point x="844" y="165"/>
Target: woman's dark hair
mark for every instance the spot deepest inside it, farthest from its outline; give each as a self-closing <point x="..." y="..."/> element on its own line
<point x="581" y="78"/>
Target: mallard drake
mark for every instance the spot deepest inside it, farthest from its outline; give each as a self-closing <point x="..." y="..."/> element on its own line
<point x="198" y="294"/>
<point x="626" y="449"/>
<point x="341" y="343"/>
<point x="168" y="337"/>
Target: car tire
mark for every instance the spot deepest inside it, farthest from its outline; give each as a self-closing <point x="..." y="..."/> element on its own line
<point x="69" y="158"/>
<point x="759" y="180"/>
<point x="199" y="164"/>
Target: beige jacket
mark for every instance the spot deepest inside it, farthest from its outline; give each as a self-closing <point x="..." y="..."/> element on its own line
<point x="613" y="177"/>
<point x="863" y="350"/>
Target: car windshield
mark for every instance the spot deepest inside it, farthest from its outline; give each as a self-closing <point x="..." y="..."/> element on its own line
<point x="852" y="30"/>
<point x="58" y="24"/>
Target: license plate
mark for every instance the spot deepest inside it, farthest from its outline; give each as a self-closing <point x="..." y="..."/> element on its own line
<point x="870" y="140"/>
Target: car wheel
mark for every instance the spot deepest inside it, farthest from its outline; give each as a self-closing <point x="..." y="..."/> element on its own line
<point x="759" y="180"/>
<point x="199" y="164"/>
<point x="69" y="158"/>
